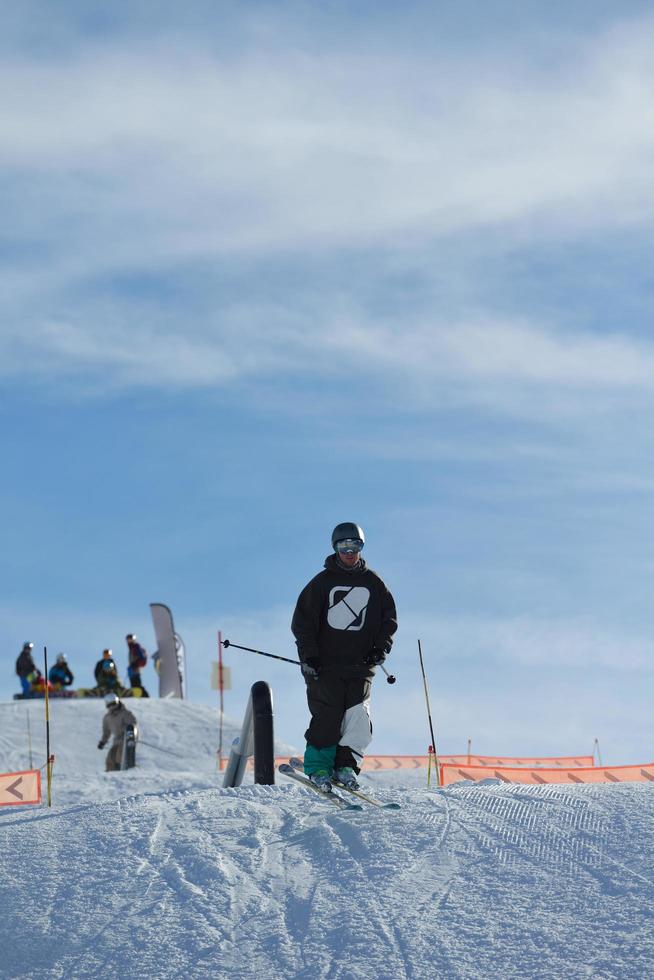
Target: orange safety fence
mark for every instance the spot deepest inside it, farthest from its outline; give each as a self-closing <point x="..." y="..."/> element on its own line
<point x="562" y="761"/>
<point x="375" y="763"/>
<point x="572" y="776"/>
<point x="371" y="763"/>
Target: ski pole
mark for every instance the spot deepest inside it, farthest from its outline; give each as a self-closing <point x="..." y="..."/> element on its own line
<point x="262" y="653"/>
<point x="221" y="694"/>
<point x="273" y="656"/>
<point x="47" y="727"/>
<point x="431" y="727"/>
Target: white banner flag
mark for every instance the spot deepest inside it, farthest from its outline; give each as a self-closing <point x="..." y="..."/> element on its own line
<point x="170" y="659"/>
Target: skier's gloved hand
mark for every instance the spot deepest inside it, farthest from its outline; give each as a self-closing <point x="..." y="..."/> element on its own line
<point x="374" y="658"/>
<point x="311" y="669"/>
<point x="101" y="745"/>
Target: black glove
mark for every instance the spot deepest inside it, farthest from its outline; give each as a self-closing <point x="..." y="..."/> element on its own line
<point x="310" y="669"/>
<point x="374" y="658"/>
<point x="101" y="745"/>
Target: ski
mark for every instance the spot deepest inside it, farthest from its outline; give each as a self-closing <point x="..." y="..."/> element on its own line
<point x="331" y="797"/>
<point x="297" y="764"/>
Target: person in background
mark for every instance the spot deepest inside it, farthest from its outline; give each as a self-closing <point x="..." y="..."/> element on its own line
<point x="343" y="625"/>
<point x="106" y="673"/>
<point x="25" y="666"/>
<point x="137" y="658"/>
<point x="60" y="674"/>
<point x="114" y="723"/>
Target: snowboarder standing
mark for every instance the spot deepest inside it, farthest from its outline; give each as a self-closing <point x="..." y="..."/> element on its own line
<point x="115" y="722"/>
<point x="343" y="625"/>
<point x="26" y="668"/>
<point x="137" y="658"/>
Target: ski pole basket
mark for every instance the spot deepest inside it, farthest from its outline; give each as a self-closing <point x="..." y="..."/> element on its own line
<point x="256" y="738"/>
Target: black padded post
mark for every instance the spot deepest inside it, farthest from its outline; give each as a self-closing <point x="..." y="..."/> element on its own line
<point x="264" y="739"/>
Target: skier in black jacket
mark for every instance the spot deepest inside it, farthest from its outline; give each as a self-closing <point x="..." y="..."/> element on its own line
<point x="343" y="625"/>
<point x="25" y="667"/>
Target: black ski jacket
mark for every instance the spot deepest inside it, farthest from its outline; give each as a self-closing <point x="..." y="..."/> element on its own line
<point x="25" y="663"/>
<point x="103" y="669"/>
<point x="343" y="614"/>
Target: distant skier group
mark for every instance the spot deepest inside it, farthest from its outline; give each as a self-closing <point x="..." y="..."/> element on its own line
<point x="118" y="722"/>
<point x="31" y="679"/>
<point x="60" y="677"/>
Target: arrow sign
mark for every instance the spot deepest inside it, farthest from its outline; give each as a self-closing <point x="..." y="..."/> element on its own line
<point x="20" y="788"/>
<point x="13" y="788"/>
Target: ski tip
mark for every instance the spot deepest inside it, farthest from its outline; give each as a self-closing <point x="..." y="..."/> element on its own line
<point x="392" y="806"/>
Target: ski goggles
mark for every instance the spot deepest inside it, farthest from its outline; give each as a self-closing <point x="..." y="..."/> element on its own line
<point x="349" y="546"/>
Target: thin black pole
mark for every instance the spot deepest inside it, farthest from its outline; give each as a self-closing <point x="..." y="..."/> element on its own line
<point x="29" y="739"/>
<point x="431" y="727"/>
<point x="47" y="728"/>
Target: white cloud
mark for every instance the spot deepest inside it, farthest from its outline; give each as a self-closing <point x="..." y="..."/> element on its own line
<point x="286" y="149"/>
<point x="500" y="351"/>
<point x="142" y="158"/>
<point x="488" y="361"/>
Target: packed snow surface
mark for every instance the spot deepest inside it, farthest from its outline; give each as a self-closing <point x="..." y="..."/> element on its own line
<point x="160" y="873"/>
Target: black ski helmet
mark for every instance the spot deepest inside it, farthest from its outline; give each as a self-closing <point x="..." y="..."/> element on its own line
<point x="347" y="530"/>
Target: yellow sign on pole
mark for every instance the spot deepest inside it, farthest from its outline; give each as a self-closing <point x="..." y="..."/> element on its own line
<point x="215" y="677"/>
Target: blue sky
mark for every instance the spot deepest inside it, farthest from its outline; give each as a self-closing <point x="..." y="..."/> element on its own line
<point x="268" y="267"/>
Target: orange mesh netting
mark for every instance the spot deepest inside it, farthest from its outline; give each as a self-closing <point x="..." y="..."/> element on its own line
<point x="373" y="763"/>
<point x="562" y="761"/>
<point x="571" y="776"/>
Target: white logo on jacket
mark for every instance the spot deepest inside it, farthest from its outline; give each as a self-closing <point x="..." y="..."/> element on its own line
<point x="347" y="607"/>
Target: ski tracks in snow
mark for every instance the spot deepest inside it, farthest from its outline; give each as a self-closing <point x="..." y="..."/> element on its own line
<point x="467" y="882"/>
<point x="353" y="876"/>
<point x="560" y="846"/>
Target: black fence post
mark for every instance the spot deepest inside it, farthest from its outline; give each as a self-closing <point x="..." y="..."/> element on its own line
<point x="257" y="737"/>
<point x="264" y="739"/>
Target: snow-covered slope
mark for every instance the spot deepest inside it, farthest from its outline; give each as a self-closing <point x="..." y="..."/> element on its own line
<point x="158" y="872"/>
